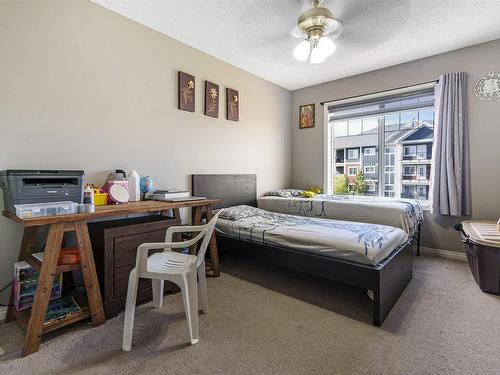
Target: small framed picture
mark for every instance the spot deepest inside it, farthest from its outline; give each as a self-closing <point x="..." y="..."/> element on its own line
<point x="211" y="99"/>
<point x="306" y="116"/>
<point x="186" y="92"/>
<point x="232" y="105"/>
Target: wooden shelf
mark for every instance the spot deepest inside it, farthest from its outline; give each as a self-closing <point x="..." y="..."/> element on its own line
<point x="35" y="263"/>
<point x="23" y="316"/>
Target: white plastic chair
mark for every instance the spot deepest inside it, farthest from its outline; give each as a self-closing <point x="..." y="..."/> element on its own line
<point x="179" y="268"/>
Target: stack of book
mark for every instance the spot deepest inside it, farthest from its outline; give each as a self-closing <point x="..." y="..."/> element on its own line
<point x="173" y="195"/>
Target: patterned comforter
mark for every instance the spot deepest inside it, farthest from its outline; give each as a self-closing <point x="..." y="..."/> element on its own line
<point x="400" y="213"/>
<point x="358" y="242"/>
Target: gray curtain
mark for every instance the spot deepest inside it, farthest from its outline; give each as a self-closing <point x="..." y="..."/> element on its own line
<point x="451" y="174"/>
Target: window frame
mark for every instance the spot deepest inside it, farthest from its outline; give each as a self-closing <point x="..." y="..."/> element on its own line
<point x="369" y="185"/>
<point x="424" y="152"/>
<point x="352" y="149"/>
<point x="349" y="171"/>
<point x="406" y="147"/>
<point x="370" y="148"/>
<point x="425" y="91"/>
<point x="414" y="174"/>
<point x="369" y="166"/>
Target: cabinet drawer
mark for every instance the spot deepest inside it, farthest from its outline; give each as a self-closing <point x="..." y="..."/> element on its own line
<point x="125" y="247"/>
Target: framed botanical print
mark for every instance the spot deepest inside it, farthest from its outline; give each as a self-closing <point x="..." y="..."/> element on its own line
<point x="186" y="92"/>
<point x="211" y="99"/>
<point x="306" y="116"/>
<point x="232" y="105"/>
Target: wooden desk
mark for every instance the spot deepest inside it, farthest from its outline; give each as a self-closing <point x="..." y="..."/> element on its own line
<point x="33" y="319"/>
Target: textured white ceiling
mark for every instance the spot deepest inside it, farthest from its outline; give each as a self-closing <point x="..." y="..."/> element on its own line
<point x="254" y="34"/>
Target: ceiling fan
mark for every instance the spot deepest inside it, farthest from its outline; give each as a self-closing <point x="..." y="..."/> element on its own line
<point x="313" y="27"/>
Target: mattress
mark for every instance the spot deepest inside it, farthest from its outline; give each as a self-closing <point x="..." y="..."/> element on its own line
<point x="400" y="213"/>
<point x="357" y="242"/>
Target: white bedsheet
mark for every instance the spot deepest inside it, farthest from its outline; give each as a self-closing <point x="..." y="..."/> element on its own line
<point x="400" y="213"/>
<point x="357" y="242"/>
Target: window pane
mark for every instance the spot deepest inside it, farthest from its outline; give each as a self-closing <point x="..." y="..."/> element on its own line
<point x="355" y="127"/>
<point x="340" y="128"/>
<point x="409" y="119"/>
<point x="370" y="125"/>
<point x="392" y="122"/>
<point x="426" y="115"/>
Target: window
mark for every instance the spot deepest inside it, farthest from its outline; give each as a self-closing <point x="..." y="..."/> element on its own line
<point x="422" y="192"/>
<point x="354" y="127"/>
<point x="409" y="170"/>
<point x="422" y="172"/>
<point x="389" y="191"/>
<point x="410" y="150"/>
<point x="370" y="151"/>
<point x="340" y="129"/>
<point x="402" y="125"/>
<point x="370" y="125"/>
<point x="422" y="152"/>
<point x="353" y="153"/>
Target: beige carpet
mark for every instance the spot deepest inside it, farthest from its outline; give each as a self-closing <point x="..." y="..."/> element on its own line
<point x="266" y="320"/>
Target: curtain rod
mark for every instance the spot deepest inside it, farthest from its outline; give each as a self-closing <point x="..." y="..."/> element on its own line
<point x="379" y="92"/>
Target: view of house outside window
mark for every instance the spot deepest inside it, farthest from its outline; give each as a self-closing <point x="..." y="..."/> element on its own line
<point x="403" y="170"/>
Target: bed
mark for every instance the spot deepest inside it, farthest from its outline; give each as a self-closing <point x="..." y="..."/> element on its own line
<point x="369" y="256"/>
<point x="406" y="214"/>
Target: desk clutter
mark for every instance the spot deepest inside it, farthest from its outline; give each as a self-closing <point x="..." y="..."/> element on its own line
<point x="38" y="193"/>
<point x="64" y="202"/>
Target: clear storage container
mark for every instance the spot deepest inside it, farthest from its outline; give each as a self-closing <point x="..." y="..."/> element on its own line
<point x="25" y="211"/>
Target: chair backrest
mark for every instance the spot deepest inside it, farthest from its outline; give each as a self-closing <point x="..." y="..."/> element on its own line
<point x="209" y="229"/>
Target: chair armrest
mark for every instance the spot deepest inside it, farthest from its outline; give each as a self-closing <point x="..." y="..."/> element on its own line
<point x="182" y="229"/>
<point x="143" y="249"/>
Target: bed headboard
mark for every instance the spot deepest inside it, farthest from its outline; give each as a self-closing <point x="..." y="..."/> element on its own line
<point x="233" y="189"/>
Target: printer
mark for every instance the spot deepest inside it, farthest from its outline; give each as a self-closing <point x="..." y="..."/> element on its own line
<point x="40" y="186"/>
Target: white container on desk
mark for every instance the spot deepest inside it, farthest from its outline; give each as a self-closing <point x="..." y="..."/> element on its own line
<point x="134" y="186"/>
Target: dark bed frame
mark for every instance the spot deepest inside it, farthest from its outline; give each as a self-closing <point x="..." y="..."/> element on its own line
<point x="387" y="279"/>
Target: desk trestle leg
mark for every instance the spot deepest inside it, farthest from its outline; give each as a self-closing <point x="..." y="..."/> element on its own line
<point x="44" y="288"/>
<point x="89" y="273"/>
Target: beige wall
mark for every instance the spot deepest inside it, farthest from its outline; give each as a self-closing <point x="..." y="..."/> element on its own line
<point x="484" y="119"/>
<point x="82" y="87"/>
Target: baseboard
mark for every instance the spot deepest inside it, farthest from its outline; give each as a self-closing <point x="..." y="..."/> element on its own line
<point x="3" y="312"/>
<point x="443" y="253"/>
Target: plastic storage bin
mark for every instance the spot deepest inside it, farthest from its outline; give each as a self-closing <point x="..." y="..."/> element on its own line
<point x="101" y="199"/>
<point x="482" y="245"/>
<point x="45" y="209"/>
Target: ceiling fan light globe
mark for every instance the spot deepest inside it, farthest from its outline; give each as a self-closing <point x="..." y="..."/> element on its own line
<point x="301" y="52"/>
<point x="316" y="56"/>
<point x="326" y="46"/>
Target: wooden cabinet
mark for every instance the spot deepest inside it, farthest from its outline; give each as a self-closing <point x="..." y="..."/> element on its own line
<point x="114" y="245"/>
